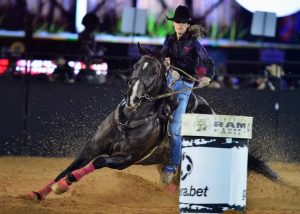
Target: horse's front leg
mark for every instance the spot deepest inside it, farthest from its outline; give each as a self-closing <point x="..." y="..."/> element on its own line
<point x="84" y="158"/>
<point x="117" y="161"/>
<point x="91" y="150"/>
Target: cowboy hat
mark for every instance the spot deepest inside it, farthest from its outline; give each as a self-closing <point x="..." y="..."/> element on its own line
<point x="182" y="15"/>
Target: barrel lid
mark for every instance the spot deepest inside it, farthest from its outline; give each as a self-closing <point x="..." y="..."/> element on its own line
<point x="212" y="125"/>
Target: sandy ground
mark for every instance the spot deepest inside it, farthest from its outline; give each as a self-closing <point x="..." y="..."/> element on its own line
<point x="137" y="189"/>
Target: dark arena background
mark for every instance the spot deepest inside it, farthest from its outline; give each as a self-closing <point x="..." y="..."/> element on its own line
<point x="58" y="82"/>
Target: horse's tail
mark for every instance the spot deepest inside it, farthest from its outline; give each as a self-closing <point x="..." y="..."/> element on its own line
<point x="259" y="166"/>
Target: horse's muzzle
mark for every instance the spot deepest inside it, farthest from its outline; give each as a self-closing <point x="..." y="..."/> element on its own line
<point x="132" y="106"/>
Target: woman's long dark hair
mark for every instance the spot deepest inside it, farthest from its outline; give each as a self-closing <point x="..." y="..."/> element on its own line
<point x="196" y="31"/>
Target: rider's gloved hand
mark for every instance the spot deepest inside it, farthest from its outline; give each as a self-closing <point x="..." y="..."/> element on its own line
<point x="175" y="76"/>
<point x="204" y="81"/>
<point x="167" y="63"/>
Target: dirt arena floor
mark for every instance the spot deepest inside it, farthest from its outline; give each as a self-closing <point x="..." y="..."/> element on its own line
<point x="137" y="189"/>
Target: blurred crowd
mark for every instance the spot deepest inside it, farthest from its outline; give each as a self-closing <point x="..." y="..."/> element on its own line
<point x="90" y="66"/>
<point x="272" y="77"/>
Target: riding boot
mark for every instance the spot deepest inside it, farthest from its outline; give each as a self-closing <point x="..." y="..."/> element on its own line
<point x="168" y="173"/>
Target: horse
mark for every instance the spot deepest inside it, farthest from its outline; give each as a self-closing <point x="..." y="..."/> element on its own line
<point x="133" y="129"/>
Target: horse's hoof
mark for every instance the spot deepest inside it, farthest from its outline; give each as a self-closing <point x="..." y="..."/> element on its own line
<point x="60" y="187"/>
<point x="34" y="196"/>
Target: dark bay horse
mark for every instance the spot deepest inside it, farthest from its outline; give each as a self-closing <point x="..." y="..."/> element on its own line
<point x="132" y="130"/>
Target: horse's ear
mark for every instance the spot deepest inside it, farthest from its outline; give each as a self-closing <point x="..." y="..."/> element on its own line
<point x="161" y="55"/>
<point x="143" y="51"/>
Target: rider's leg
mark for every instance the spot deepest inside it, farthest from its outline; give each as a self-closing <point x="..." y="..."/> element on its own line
<point x="175" y="127"/>
<point x="175" y="138"/>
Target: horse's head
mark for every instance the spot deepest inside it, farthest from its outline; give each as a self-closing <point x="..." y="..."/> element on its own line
<point x="147" y="78"/>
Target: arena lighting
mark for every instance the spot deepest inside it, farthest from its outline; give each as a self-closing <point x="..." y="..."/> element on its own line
<point x="76" y="65"/>
<point x="3" y="65"/>
<point x="36" y="66"/>
<point x="280" y="7"/>
<point x="48" y="67"/>
<point x="100" y="68"/>
<point x="81" y="10"/>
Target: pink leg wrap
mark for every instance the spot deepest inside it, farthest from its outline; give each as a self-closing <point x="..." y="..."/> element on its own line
<point x="79" y="173"/>
<point x="46" y="189"/>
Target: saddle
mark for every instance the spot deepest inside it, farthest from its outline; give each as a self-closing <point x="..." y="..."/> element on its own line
<point x="192" y="104"/>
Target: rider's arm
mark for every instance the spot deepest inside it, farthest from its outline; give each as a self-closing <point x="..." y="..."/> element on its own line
<point x="165" y="51"/>
<point x="206" y="59"/>
<point x="165" y="48"/>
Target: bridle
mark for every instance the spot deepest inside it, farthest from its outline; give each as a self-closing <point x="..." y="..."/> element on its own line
<point x="149" y="98"/>
<point x="148" y="88"/>
<point x="156" y="72"/>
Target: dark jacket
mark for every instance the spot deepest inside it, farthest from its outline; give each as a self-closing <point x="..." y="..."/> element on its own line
<point x="187" y="53"/>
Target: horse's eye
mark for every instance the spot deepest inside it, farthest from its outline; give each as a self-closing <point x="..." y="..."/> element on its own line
<point x="129" y="81"/>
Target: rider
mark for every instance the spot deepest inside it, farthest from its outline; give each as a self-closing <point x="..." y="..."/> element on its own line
<point x="183" y="50"/>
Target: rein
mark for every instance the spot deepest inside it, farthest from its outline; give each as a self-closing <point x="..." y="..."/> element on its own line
<point x="185" y="73"/>
<point x="147" y="97"/>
